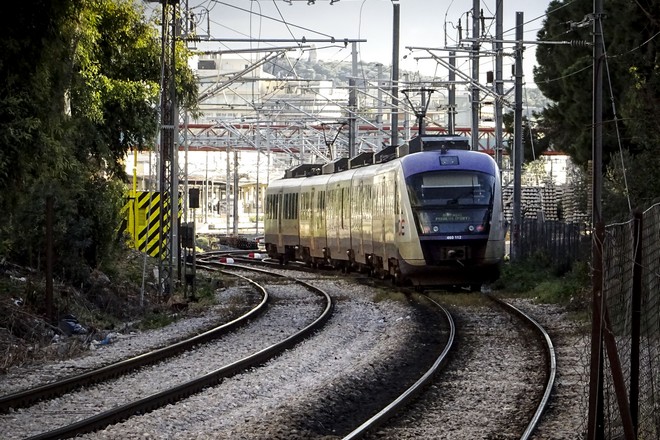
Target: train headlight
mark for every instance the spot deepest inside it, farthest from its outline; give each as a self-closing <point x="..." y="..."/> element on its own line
<point x="435" y="229"/>
<point x="471" y="228"/>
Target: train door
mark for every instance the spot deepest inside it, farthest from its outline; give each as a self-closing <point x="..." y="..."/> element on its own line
<point x="318" y="221"/>
<point x="305" y="219"/>
<point x="278" y="214"/>
<point x="272" y="220"/>
<point x="367" y="208"/>
<point x="312" y="223"/>
<point x="390" y="214"/>
<point x="345" y="231"/>
<point x="333" y="217"/>
<point x="356" y="239"/>
<point x="379" y="216"/>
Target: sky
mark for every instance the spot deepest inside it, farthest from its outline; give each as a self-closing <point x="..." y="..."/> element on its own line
<point x="370" y="20"/>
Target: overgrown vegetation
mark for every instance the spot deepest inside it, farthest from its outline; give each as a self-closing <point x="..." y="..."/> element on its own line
<point x="80" y="89"/>
<point x="539" y="278"/>
<point x="109" y="302"/>
<point x="81" y="86"/>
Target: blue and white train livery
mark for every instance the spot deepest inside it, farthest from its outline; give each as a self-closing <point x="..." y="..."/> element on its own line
<point x="431" y="216"/>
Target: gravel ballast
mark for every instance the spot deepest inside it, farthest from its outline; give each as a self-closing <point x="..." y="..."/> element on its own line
<point x="352" y="352"/>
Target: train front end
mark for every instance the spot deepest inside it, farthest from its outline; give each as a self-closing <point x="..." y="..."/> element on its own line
<point x="455" y="199"/>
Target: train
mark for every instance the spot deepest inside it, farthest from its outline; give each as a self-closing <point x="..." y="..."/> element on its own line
<point x="427" y="213"/>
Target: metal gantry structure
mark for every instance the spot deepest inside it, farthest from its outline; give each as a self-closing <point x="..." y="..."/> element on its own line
<point x="168" y="151"/>
<point x="300" y="120"/>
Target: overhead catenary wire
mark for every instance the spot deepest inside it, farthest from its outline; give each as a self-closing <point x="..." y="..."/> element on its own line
<point x="616" y="122"/>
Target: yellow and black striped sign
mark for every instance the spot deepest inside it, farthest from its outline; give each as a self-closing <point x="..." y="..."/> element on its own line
<point x="148" y="230"/>
<point x="143" y="221"/>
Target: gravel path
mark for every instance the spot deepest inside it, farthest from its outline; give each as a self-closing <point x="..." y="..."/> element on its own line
<point x="566" y="415"/>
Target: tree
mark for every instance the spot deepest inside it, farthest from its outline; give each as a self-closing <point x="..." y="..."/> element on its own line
<point x="81" y="89"/>
<point x="631" y="89"/>
<point x="533" y="142"/>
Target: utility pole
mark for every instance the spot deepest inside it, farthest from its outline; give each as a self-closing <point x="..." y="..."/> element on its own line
<point x="517" y="148"/>
<point x="595" y="424"/>
<point x="499" y="85"/>
<point x="352" y="103"/>
<point x="395" y="74"/>
<point x="475" y="74"/>
<point x="168" y="175"/>
<point x="236" y="194"/>
<point x="451" y="110"/>
<point x="257" y="143"/>
<point x="379" y="113"/>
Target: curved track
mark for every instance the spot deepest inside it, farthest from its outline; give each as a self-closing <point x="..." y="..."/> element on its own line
<point x="414" y="390"/>
<point x="58" y="388"/>
<point x="551" y="363"/>
<point x="189" y="387"/>
<point x="396" y="405"/>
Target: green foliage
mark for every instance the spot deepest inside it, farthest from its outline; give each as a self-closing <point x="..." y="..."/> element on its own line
<point x="538" y="278"/>
<point x="207" y="285"/>
<point x="631" y="85"/>
<point x="81" y="83"/>
<point x="622" y="187"/>
<point x="85" y="215"/>
<point x="157" y="319"/>
<point x="532" y="142"/>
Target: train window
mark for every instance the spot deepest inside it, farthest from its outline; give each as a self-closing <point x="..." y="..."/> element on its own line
<point x="451" y="188"/>
<point x="276" y="206"/>
<point x="290" y="208"/>
<point x="295" y="206"/>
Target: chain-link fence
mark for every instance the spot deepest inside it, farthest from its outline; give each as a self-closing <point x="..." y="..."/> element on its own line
<point x="628" y="391"/>
<point x="631" y="319"/>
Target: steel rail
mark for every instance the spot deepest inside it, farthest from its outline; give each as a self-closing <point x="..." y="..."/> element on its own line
<point x="22" y="399"/>
<point x="414" y="390"/>
<point x="189" y="388"/>
<point x="551" y="366"/>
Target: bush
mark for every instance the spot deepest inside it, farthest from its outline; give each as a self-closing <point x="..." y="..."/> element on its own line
<point x="549" y="284"/>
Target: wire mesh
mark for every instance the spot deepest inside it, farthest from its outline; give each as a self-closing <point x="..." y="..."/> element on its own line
<point x="619" y="265"/>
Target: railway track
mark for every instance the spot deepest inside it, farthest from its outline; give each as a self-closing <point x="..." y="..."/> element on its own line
<point x="537" y="390"/>
<point x="59" y="387"/>
<point x="497" y="385"/>
<point x="93" y="407"/>
<point x="363" y="400"/>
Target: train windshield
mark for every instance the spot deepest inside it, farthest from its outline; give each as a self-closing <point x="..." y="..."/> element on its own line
<point x="452" y="202"/>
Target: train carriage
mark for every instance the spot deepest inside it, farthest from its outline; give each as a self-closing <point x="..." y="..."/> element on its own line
<point x="313" y="237"/>
<point x="431" y="216"/>
<point x="282" y="222"/>
<point x="338" y="217"/>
